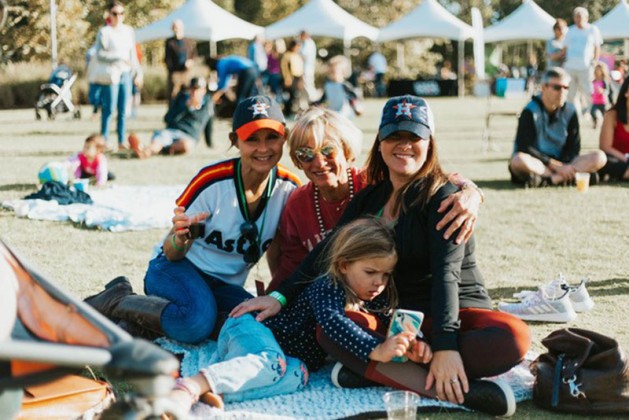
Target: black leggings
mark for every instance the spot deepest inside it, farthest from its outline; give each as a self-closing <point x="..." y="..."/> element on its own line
<point x="615" y="168"/>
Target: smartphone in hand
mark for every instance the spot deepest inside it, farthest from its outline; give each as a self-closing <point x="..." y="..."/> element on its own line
<point x="404" y="320"/>
<point x="197" y="230"/>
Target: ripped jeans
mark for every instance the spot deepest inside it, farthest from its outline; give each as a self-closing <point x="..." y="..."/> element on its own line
<point x="249" y="363"/>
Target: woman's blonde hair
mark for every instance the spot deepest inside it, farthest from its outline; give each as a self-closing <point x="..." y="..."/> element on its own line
<point x="361" y="239"/>
<point x="322" y="124"/>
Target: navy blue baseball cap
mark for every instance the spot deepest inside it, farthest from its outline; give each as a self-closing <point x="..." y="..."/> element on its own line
<point x="255" y="113"/>
<point x="406" y="113"/>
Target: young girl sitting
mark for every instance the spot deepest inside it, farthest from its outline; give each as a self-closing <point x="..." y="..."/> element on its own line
<point x="251" y="363"/>
<point x="91" y="162"/>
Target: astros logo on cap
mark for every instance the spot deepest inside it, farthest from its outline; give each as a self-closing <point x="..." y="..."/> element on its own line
<point x="404" y="108"/>
<point x="259" y="108"/>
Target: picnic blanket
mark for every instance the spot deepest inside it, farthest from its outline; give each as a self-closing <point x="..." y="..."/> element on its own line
<point x="320" y="399"/>
<point x="118" y="208"/>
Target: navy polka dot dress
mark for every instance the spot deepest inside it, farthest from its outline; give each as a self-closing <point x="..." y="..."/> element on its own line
<point x="322" y="303"/>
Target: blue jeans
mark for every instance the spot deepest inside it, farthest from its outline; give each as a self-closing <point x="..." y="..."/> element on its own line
<point x="115" y="97"/>
<point x="196" y="298"/>
<point x="250" y="364"/>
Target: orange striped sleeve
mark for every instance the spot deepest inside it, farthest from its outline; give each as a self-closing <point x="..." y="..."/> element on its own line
<point x="284" y="173"/>
<point x="204" y="179"/>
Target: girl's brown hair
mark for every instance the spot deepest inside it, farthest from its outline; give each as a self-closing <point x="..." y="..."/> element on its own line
<point x="360" y="239"/>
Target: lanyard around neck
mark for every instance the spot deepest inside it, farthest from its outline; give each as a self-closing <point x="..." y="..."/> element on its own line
<point x="243" y="198"/>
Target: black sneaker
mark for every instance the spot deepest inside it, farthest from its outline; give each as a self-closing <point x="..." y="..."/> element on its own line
<point x="491" y="397"/>
<point x="344" y="377"/>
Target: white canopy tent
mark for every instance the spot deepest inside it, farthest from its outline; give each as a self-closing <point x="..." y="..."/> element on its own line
<point x="615" y="24"/>
<point x="527" y="22"/>
<point x="430" y="20"/>
<point x="203" y="20"/>
<point x="322" y="18"/>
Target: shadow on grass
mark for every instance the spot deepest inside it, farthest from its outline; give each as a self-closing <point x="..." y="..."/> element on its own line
<point x="609" y="287"/>
<point x="498" y="184"/>
<point x="18" y="187"/>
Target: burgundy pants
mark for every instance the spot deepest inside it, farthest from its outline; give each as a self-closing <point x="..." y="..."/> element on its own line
<point x="490" y="343"/>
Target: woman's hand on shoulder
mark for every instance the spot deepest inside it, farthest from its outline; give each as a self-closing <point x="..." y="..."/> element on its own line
<point x="267" y="305"/>
<point x="462" y="212"/>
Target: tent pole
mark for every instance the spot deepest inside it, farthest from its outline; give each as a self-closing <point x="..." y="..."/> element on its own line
<point x="461" y="81"/>
<point x="399" y="51"/>
<point x="347" y="51"/>
<point x="212" y="48"/>
<point x="53" y="32"/>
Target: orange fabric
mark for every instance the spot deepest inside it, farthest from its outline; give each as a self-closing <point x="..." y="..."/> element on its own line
<point x="367" y="321"/>
<point x="20" y="368"/>
<point x="69" y="397"/>
<point x="46" y="317"/>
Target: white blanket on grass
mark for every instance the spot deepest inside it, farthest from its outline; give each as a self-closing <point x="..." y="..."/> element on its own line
<point x="320" y="399"/>
<point x="118" y="208"/>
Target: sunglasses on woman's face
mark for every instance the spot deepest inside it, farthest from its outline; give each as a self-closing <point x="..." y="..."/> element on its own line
<point x="557" y="87"/>
<point x="307" y="154"/>
<point x="117" y="13"/>
<point x="249" y="231"/>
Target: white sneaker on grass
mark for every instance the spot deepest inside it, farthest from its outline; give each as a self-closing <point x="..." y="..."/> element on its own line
<point x="579" y="296"/>
<point x="538" y="306"/>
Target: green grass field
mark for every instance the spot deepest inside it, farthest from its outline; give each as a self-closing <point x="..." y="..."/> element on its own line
<point x="524" y="237"/>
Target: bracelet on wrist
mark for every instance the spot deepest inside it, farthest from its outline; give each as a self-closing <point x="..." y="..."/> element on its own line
<point x="472" y="184"/>
<point x="173" y="242"/>
<point x="181" y="385"/>
<point x="279" y="297"/>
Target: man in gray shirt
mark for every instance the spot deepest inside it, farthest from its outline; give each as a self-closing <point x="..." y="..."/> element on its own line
<point x="548" y="141"/>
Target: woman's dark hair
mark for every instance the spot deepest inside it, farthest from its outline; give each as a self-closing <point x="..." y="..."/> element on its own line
<point x="292" y="44"/>
<point x="621" y="102"/>
<point x="114" y="3"/>
<point x="211" y="62"/>
<point x="429" y="178"/>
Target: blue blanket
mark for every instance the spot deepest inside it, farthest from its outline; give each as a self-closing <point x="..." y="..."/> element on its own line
<point x="320" y="399"/>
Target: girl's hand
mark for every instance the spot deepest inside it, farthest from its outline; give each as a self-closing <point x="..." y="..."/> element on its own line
<point x="394" y="346"/>
<point x="448" y="376"/>
<point x="267" y="305"/>
<point x="419" y="352"/>
<point x="464" y="206"/>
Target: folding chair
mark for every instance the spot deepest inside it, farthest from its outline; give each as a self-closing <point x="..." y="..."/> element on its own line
<point x="54" y="334"/>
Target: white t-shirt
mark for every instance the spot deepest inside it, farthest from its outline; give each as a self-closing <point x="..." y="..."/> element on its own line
<point x="213" y="190"/>
<point x="580" y="44"/>
<point x="378" y="62"/>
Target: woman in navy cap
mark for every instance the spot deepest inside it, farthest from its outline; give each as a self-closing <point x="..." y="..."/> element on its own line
<point x="434" y="275"/>
<point x="225" y="219"/>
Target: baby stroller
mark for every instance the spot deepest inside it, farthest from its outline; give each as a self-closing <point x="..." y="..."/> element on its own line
<point x="46" y="334"/>
<point x="56" y="96"/>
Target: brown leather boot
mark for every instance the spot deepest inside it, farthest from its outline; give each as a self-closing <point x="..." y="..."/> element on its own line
<point x="142" y="311"/>
<point x="107" y="300"/>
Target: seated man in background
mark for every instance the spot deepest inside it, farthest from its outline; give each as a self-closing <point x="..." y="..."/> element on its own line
<point x="548" y="142"/>
<point x="188" y="115"/>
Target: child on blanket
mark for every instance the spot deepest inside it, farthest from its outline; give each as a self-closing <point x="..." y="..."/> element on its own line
<point x="91" y="162"/>
<point x="250" y="363"/>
